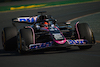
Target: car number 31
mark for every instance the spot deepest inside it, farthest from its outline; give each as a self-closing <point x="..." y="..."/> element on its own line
<point x="58" y="36"/>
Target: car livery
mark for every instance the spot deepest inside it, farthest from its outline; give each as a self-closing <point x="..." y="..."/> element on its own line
<point x="40" y="45"/>
<point x="43" y="31"/>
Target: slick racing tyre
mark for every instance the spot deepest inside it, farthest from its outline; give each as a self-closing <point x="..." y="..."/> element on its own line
<point x="24" y="40"/>
<point x="85" y="33"/>
<point x="9" y="39"/>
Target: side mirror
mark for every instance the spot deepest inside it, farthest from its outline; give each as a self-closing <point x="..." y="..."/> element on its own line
<point x="68" y="23"/>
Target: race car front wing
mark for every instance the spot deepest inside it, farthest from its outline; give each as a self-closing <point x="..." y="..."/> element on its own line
<point x="77" y="42"/>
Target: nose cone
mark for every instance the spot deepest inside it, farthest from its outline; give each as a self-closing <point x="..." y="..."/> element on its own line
<point x="61" y="41"/>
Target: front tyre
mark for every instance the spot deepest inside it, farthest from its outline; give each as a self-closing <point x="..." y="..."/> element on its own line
<point x="9" y="38"/>
<point x="24" y="40"/>
<point x="85" y="33"/>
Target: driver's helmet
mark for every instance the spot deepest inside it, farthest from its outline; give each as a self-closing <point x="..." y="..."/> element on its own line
<point x="46" y="24"/>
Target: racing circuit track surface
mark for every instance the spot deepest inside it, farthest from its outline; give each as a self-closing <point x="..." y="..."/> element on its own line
<point x="73" y="57"/>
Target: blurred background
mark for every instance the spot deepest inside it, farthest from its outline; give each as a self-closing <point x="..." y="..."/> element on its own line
<point x="10" y="0"/>
<point x="1" y="1"/>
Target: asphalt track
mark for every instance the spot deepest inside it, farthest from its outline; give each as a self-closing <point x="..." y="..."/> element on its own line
<point x="73" y="57"/>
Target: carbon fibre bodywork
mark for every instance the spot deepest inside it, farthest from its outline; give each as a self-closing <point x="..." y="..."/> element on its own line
<point x="42" y="31"/>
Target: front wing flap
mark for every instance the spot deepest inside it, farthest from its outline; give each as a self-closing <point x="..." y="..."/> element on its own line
<point x="77" y="42"/>
<point x="40" y="45"/>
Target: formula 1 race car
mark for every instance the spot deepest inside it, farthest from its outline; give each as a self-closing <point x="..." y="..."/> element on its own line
<point x="43" y="32"/>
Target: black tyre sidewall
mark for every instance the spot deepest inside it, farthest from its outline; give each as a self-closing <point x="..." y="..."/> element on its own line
<point x="9" y="38"/>
<point x="85" y="32"/>
<point x="26" y="36"/>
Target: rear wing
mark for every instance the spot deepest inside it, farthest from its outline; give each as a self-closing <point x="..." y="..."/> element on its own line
<point x="25" y="19"/>
<point x="41" y="12"/>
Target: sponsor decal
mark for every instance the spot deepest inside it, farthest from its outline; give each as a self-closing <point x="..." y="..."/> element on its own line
<point x="40" y="45"/>
<point x="77" y="42"/>
<point x="27" y="19"/>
